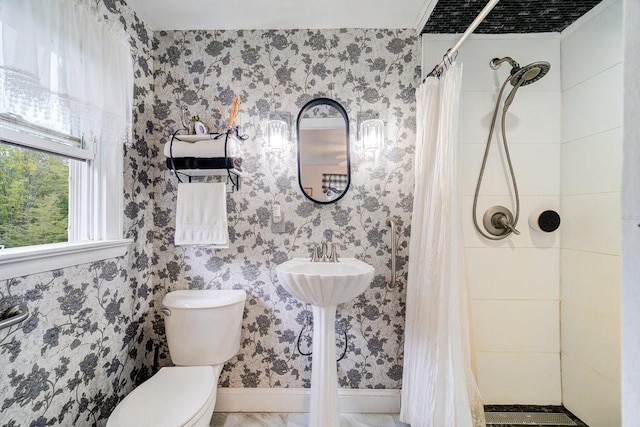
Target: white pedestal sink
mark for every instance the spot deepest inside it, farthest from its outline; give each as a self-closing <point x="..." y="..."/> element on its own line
<point x="324" y="285"/>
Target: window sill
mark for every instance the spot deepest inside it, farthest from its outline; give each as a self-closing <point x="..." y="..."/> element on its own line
<point x="17" y="262"/>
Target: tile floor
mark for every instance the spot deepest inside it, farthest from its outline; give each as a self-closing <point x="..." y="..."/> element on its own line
<point x="300" y="420"/>
<point x="359" y="420"/>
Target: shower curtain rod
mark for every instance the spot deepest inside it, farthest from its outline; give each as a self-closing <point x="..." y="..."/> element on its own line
<point x="450" y="55"/>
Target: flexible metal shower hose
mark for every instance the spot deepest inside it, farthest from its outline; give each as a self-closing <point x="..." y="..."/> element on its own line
<point x="484" y="164"/>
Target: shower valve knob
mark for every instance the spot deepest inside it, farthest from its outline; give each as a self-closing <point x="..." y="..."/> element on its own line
<point x="498" y="221"/>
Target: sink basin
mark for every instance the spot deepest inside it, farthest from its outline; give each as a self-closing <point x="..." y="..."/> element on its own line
<point x="325" y="283"/>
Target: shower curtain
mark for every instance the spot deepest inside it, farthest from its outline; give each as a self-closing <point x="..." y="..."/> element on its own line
<point x="439" y="389"/>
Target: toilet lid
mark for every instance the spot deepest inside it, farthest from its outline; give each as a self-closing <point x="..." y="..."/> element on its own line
<point x="170" y="398"/>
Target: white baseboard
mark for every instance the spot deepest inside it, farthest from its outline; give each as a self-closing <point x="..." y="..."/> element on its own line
<point x="363" y="401"/>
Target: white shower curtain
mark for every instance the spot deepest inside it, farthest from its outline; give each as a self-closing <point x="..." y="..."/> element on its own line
<point x="438" y="389"/>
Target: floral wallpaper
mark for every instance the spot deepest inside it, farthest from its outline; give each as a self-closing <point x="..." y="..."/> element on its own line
<point x="78" y="351"/>
<point x="94" y="331"/>
<point x="83" y="347"/>
<point x="367" y="71"/>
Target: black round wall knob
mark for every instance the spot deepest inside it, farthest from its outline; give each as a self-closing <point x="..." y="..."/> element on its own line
<point x="546" y="221"/>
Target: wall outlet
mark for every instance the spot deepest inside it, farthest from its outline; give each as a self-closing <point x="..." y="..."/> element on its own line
<point x="277" y="219"/>
<point x="277" y="227"/>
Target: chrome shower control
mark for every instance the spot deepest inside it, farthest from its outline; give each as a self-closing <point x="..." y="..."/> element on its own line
<point x="498" y="221"/>
<point x="501" y="221"/>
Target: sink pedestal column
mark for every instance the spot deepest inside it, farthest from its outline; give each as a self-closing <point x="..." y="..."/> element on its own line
<point x="323" y="406"/>
<point x="324" y="285"/>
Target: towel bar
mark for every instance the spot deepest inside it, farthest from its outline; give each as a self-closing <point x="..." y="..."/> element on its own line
<point x="394" y="229"/>
<point x="12" y="316"/>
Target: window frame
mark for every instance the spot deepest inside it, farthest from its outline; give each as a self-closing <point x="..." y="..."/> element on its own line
<point x="18" y="262"/>
<point x="95" y="213"/>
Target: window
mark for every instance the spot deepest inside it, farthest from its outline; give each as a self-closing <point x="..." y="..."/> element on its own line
<point x="65" y="113"/>
<point x="34" y="197"/>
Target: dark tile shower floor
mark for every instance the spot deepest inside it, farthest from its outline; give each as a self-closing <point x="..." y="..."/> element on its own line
<point x="535" y="409"/>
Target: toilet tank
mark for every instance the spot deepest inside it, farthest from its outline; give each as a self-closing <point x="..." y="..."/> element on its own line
<point x="204" y="326"/>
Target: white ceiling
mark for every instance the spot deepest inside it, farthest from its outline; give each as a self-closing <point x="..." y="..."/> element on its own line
<point x="281" y="14"/>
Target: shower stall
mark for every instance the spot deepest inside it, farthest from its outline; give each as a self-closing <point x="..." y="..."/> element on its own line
<point x="545" y="306"/>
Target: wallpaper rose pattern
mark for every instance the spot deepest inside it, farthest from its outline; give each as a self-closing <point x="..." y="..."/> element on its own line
<point x="83" y="347"/>
<point x="367" y="71"/>
<point x="95" y="331"/>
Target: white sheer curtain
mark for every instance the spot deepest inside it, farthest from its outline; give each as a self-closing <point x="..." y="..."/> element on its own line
<point x="64" y="68"/>
<point x="438" y="389"/>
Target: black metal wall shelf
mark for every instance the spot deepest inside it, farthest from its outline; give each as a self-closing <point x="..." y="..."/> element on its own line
<point x="190" y="167"/>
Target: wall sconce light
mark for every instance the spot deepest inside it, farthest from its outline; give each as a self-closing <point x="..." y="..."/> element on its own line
<point x="371" y="132"/>
<point x="278" y="131"/>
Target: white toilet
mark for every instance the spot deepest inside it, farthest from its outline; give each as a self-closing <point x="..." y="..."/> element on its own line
<point x="203" y="332"/>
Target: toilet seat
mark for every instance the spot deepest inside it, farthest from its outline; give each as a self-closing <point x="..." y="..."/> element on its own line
<point x="174" y="397"/>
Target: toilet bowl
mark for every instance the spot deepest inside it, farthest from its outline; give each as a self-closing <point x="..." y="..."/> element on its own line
<point x="175" y="396"/>
<point x="203" y="332"/>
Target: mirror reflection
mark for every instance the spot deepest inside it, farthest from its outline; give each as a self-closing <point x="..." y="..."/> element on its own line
<point x="323" y="150"/>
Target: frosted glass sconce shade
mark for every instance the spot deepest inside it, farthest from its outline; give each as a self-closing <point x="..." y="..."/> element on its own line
<point x="372" y="134"/>
<point x="277" y="134"/>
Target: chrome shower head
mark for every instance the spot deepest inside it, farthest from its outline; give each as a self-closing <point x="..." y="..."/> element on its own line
<point x="522" y="76"/>
<point x="529" y="73"/>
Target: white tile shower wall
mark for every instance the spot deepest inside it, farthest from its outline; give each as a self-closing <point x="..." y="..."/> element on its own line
<point x="525" y="378"/>
<point x="514" y="283"/>
<point x="591" y="396"/>
<point x="591" y="234"/>
<point x="516" y="326"/>
<point x="593" y="105"/>
<point x="529" y="274"/>
<point x="583" y="160"/>
<point x="631" y="215"/>
<point x="541" y="109"/>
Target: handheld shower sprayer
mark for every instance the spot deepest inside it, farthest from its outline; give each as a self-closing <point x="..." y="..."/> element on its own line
<point x="509" y="99"/>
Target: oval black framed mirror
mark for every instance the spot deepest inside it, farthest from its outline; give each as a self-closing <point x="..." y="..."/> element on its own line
<point x="324" y="166"/>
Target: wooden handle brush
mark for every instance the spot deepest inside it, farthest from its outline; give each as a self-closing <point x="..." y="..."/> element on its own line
<point x="234" y="111"/>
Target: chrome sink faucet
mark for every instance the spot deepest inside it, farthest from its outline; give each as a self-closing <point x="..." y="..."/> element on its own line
<point x="321" y="253"/>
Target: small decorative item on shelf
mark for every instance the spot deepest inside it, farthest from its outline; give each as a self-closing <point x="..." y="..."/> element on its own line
<point x="194" y="124"/>
<point x="200" y="128"/>
<point x="186" y="121"/>
<point x="234" y="111"/>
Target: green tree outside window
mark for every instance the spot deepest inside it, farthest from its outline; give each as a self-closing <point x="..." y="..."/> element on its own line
<point x="34" y="197"/>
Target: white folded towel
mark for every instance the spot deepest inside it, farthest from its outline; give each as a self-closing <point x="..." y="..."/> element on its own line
<point x="201" y="215"/>
<point x="206" y="149"/>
